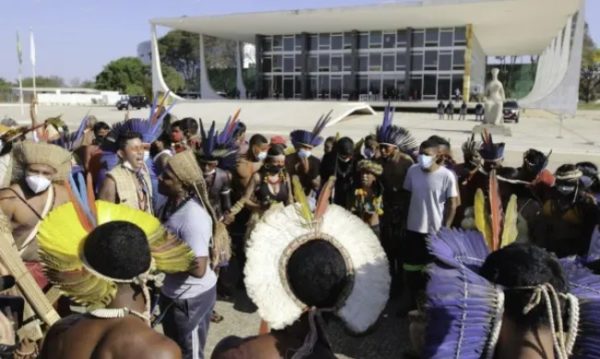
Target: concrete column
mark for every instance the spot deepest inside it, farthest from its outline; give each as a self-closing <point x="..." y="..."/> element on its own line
<point x="407" y="81"/>
<point x="466" y="90"/>
<point x="158" y="82"/>
<point x="206" y="90"/>
<point x="304" y="76"/>
<point x="354" y="87"/>
<point x="239" y="65"/>
<point x="259" y="79"/>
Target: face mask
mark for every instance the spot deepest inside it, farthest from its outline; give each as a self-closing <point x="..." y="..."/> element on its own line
<point x="565" y="190"/>
<point x="210" y="173"/>
<point x="425" y="161"/>
<point x="262" y="155"/>
<point x="37" y="183"/>
<point x="368" y="153"/>
<point x="272" y="169"/>
<point x="345" y="160"/>
<point x="304" y="153"/>
<point x="146" y="156"/>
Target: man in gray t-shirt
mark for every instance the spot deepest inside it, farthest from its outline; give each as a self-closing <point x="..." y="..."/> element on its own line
<point x="433" y="201"/>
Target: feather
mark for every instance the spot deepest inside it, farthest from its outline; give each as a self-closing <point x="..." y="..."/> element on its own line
<point x="324" y="197"/>
<point x="510" y="231"/>
<point x="495" y="210"/>
<point x="481" y="217"/>
<point x="300" y="197"/>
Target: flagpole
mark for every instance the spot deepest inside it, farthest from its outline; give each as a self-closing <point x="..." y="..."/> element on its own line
<point x="32" y="58"/>
<point x="20" y="58"/>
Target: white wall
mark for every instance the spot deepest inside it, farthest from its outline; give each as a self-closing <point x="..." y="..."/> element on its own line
<point x="108" y="98"/>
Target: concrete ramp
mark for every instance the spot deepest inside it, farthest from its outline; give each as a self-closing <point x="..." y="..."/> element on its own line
<point x="265" y="113"/>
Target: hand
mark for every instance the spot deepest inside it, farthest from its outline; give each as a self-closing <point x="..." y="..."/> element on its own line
<point x="228" y="219"/>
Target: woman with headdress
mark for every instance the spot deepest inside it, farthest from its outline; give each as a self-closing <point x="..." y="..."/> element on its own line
<point x="188" y="297"/>
<point x="102" y="255"/>
<point x="567" y="219"/>
<point x="302" y="163"/>
<point x="341" y="164"/>
<point x="302" y="264"/>
<point x="368" y="194"/>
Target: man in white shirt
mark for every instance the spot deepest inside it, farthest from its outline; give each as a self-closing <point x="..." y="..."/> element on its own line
<point x="433" y="201"/>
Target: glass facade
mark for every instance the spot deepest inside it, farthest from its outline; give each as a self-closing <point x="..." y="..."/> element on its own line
<point x="400" y="64"/>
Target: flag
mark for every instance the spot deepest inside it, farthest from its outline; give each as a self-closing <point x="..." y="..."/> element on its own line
<point x="32" y="48"/>
<point x="19" y="50"/>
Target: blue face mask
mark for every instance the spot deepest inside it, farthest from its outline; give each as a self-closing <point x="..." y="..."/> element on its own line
<point x="425" y="161"/>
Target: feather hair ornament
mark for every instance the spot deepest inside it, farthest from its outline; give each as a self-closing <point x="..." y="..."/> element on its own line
<point x="300" y="197"/>
<point x="220" y="147"/>
<point x="387" y="133"/>
<point x="311" y="138"/>
<point x="495" y="210"/>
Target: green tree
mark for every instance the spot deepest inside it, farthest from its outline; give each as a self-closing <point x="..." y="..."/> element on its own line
<point x="589" y="80"/>
<point x="123" y="73"/>
<point x="174" y="79"/>
<point x="44" y="81"/>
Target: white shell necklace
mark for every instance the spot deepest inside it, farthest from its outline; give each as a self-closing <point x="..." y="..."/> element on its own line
<point x="113" y="313"/>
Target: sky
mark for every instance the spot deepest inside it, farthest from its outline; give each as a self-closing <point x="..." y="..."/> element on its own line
<point x="76" y="38"/>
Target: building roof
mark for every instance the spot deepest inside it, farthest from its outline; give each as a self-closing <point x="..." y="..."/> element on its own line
<point x="503" y="27"/>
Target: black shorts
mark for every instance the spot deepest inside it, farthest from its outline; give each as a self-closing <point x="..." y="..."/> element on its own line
<point x="415" y="252"/>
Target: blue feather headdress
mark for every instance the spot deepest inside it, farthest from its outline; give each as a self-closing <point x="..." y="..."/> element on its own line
<point x="489" y="150"/>
<point x="219" y="147"/>
<point x="387" y="133"/>
<point x="311" y="139"/>
<point x="69" y="141"/>
<point x="464" y="309"/>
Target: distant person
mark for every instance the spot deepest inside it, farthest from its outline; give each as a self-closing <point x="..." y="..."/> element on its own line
<point x="463" y="112"/>
<point x="457" y="95"/>
<point x="479" y="111"/>
<point x="450" y="110"/>
<point x="329" y="144"/>
<point x="440" y="110"/>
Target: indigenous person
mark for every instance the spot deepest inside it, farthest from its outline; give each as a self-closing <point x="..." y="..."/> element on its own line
<point x="302" y="163"/>
<point x="329" y="144"/>
<point x="91" y="153"/>
<point x="39" y="186"/>
<point x="129" y="182"/>
<point x="249" y="164"/>
<point x="368" y="193"/>
<point x="188" y="297"/>
<point x="590" y="180"/>
<point x="298" y="270"/>
<point x="340" y="164"/>
<point x="531" y="305"/>
<point x="184" y="134"/>
<point x="101" y="256"/>
<point x="568" y="218"/>
<point x="433" y="201"/>
<point x="240" y="137"/>
<point x="533" y="170"/>
<point x="395" y="143"/>
<point x="367" y="149"/>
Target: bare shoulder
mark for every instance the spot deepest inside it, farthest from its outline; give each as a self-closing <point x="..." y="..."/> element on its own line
<point x="9" y="192"/>
<point x="160" y="347"/>
<point x="134" y="339"/>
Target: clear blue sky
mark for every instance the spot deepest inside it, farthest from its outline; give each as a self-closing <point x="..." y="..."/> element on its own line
<point x="75" y="38"/>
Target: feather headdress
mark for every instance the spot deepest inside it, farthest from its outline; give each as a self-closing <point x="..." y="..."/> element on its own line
<point x="27" y="152"/>
<point x="471" y="149"/>
<point x="220" y="147"/>
<point x="63" y="232"/>
<point x="388" y="133"/>
<point x="311" y="138"/>
<point x="490" y="151"/>
<point x="68" y="140"/>
<point x="281" y="231"/>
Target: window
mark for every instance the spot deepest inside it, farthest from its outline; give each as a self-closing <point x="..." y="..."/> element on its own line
<point x="312" y="64"/>
<point x="375" y="61"/>
<point x="363" y="63"/>
<point x="389" y="62"/>
<point x="457" y="83"/>
<point x="277" y="63"/>
<point x="431" y="60"/>
<point x="336" y="63"/>
<point x="288" y="43"/>
<point x="299" y="40"/>
<point x="288" y="64"/>
<point x="348" y="40"/>
<point x="336" y="87"/>
<point x="460" y="36"/>
<point x="389" y="41"/>
<point x="363" y="40"/>
<point x="348" y="84"/>
<point x="459" y="59"/>
<point x="266" y="64"/>
<point x="324" y="40"/>
<point x="418" y="39"/>
<point x="313" y="43"/>
<point x="417" y="62"/>
<point x="298" y="86"/>
<point x="277" y="42"/>
<point x="374" y="85"/>
<point x="401" y="37"/>
<point x="446" y="38"/>
<point x="400" y="60"/>
<point x="431" y="37"/>
<point x="363" y="85"/>
<point x="336" y="42"/>
<point x="443" y="91"/>
<point x="445" y="63"/>
<point x="324" y="86"/>
<point x="323" y="62"/>
<point x="347" y="62"/>
<point x="298" y="63"/>
<point x="429" y="85"/>
<point x="267" y="44"/>
<point x="375" y="38"/>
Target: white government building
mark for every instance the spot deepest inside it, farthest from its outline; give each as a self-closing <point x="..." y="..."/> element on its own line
<point x="415" y="50"/>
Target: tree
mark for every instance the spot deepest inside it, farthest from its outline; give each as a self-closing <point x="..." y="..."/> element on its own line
<point x="174" y="79"/>
<point x="589" y="81"/>
<point x="44" y="81"/>
<point x="123" y="73"/>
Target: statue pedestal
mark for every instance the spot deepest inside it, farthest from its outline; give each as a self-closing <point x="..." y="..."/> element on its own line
<point x="493" y="129"/>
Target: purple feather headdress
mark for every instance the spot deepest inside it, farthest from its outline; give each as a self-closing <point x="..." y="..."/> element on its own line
<point x="387" y="133"/>
<point x="69" y="141"/>
<point x="489" y="150"/>
<point x="311" y="139"/>
<point x="219" y="147"/>
<point x="464" y="310"/>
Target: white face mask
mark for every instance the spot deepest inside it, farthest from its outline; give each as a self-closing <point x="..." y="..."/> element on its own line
<point x="262" y="156"/>
<point x="302" y="153"/>
<point x="146" y="156"/>
<point x="345" y="160"/>
<point x="210" y="173"/>
<point x="37" y="183"/>
<point x="425" y="161"/>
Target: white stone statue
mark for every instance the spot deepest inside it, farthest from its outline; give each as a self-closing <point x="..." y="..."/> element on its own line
<point x="494" y="100"/>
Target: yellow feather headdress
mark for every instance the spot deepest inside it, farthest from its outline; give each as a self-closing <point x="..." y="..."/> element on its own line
<point x="64" y="231"/>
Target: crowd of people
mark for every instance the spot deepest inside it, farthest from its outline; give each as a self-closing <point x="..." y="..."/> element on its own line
<point x="485" y="259"/>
